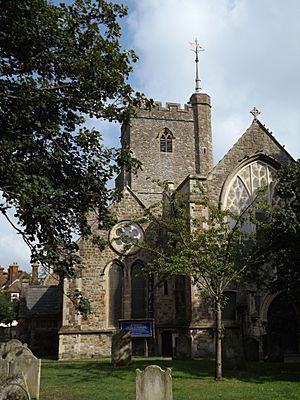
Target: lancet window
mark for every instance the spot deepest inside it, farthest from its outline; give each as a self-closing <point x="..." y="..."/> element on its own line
<point x="166" y="141"/>
<point x="115" y="293"/>
<point x="138" y="291"/>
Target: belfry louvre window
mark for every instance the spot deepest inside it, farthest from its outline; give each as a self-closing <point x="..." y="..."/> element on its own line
<point x="166" y="141"/>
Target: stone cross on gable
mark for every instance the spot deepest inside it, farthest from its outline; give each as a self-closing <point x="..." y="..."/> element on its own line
<point x="255" y="112"/>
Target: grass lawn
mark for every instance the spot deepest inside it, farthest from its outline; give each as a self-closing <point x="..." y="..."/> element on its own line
<point x="192" y="380"/>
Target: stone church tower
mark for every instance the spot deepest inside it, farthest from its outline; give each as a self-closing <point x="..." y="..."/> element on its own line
<point x="172" y="142"/>
<point x="169" y="317"/>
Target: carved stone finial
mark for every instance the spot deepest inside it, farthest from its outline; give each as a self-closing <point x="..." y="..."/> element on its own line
<point x="255" y="112"/>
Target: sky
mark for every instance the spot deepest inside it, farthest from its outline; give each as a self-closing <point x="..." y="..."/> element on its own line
<point x="251" y="58"/>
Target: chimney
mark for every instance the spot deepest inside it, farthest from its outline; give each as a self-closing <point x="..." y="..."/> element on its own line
<point x="35" y="273"/>
<point x="13" y="272"/>
<point x="2" y="277"/>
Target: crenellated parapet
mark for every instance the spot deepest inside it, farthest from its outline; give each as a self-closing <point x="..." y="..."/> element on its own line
<point x="168" y="111"/>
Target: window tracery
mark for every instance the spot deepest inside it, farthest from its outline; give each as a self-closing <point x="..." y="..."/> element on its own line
<point x="244" y="186"/>
<point x="166" y="141"/>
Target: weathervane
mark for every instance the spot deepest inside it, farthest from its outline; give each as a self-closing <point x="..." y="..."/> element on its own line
<point x="255" y="112"/>
<point x="196" y="48"/>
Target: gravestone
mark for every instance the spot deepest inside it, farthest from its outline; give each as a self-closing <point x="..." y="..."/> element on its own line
<point x="29" y="367"/>
<point x="121" y="348"/>
<point x="183" y="347"/>
<point x="6" y="347"/>
<point x="4" y="368"/>
<point x="20" y="372"/>
<point x="232" y="350"/>
<point x="17" y="352"/>
<point x="13" y="389"/>
<point x="154" y="384"/>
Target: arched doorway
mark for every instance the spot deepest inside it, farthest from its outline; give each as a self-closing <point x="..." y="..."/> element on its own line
<point x="282" y="329"/>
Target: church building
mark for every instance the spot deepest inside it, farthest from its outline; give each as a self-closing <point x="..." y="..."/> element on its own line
<point x="174" y="144"/>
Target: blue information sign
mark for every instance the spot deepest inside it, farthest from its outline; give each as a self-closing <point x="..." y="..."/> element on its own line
<point x="138" y="328"/>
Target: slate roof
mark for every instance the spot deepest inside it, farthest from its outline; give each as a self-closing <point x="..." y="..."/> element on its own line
<point x="41" y="300"/>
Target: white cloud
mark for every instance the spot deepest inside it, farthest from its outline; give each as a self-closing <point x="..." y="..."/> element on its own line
<point x="251" y="58"/>
<point x="12" y="247"/>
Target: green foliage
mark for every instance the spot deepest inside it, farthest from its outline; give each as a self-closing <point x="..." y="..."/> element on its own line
<point x="8" y="309"/>
<point x="198" y="239"/>
<point x="81" y="303"/>
<point x="60" y="65"/>
<point x="281" y="231"/>
<point x="195" y="239"/>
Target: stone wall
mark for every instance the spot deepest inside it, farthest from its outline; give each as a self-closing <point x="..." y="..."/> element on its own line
<point x="81" y="344"/>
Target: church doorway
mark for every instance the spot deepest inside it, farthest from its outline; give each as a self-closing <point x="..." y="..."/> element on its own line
<point x="166" y="344"/>
<point x="282" y="330"/>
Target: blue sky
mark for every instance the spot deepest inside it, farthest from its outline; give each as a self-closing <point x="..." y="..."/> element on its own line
<point x="251" y="58"/>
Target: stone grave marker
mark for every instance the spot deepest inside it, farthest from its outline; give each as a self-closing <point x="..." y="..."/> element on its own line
<point x="29" y="367"/>
<point x="154" y="384"/>
<point x="13" y="389"/>
<point x="20" y="372"/>
<point x="6" y="347"/>
<point x="121" y="348"/>
<point x="183" y="347"/>
<point x="4" y="368"/>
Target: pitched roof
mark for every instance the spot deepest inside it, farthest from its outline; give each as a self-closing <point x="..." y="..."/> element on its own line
<point x="42" y="300"/>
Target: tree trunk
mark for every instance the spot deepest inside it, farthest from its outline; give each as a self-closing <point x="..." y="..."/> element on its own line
<point x="218" y="342"/>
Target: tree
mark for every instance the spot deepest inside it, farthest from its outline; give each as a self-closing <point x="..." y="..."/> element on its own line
<point x="8" y="308"/>
<point x="281" y="230"/>
<point x="209" y="245"/>
<point x="59" y="66"/>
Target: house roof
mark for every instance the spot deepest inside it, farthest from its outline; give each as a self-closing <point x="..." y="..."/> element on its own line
<point x="41" y="300"/>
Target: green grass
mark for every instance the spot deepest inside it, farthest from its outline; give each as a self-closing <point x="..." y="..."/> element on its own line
<point x="192" y="380"/>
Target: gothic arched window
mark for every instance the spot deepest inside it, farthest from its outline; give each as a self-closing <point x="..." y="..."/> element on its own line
<point x="243" y="188"/>
<point x="138" y="291"/>
<point x="115" y="278"/>
<point x="166" y="141"/>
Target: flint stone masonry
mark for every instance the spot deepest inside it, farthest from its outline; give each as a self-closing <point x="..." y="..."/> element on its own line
<point x="121" y="349"/>
<point x="154" y="384"/>
<point x="19" y="368"/>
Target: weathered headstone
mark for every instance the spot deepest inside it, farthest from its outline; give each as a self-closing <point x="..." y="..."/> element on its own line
<point x="6" y="347"/>
<point x="154" y="384"/>
<point x="4" y="368"/>
<point x="29" y="367"/>
<point x="20" y="372"/>
<point x="121" y="348"/>
<point x="14" y="389"/>
<point x="183" y="347"/>
<point x="17" y="352"/>
<point x="232" y="350"/>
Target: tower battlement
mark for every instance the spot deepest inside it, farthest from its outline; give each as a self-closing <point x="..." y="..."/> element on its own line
<point x="172" y="107"/>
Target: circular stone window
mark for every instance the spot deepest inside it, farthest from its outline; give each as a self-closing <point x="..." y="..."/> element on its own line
<point x="123" y="236"/>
